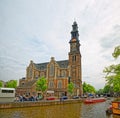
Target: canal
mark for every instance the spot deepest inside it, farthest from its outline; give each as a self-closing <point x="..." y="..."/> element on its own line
<point x="77" y="110"/>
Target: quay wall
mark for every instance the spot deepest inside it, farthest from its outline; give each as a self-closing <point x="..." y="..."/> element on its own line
<point x="36" y="103"/>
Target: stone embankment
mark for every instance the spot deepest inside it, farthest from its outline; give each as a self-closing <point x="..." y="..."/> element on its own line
<point x="36" y="103"/>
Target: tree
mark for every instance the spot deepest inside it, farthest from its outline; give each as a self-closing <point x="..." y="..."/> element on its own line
<point x="87" y="88"/>
<point x="116" y="52"/>
<point x="41" y="85"/>
<point x="70" y="88"/>
<point x="113" y="72"/>
<point x="11" y="84"/>
<point x="100" y="91"/>
<point x="107" y="88"/>
<point x="1" y="84"/>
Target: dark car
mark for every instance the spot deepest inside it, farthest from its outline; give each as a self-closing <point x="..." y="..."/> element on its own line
<point x="75" y="97"/>
<point x="63" y="98"/>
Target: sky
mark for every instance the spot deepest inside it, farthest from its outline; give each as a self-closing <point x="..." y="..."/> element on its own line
<point x="40" y="29"/>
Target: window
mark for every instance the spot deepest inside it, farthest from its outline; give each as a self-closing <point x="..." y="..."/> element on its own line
<point x="59" y="84"/>
<point x="51" y="70"/>
<point x="74" y="58"/>
<point x="51" y="84"/>
<point x="23" y="83"/>
<point x="42" y="74"/>
<point x="42" y="68"/>
<point x="7" y="91"/>
<point x="63" y="74"/>
<point x="30" y="72"/>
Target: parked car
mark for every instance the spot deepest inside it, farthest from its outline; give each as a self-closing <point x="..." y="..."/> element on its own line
<point x="63" y="98"/>
<point x="51" y="98"/>
<point x="75" y="97"/>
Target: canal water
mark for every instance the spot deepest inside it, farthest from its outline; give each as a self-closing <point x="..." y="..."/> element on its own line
<point x="78" y="110"/>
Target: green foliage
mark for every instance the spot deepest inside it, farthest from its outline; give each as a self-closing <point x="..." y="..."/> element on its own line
<point x="106" y="88"/>
<point x="70" y="88"/>
<point x="100" y="91"/>
<point x="116" y="83"/>
<point x="113" y="72"/>
<point x="116" y="52"/>
<point x="87" y="88"/>
<point x="1" y="84"/>
<point x="41" y="84"/>
<point x="11" y="84"/>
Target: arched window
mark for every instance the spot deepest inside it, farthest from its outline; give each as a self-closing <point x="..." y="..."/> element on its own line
<point x="51" y="70"/>
<point x="51" y="84"/>
<point x="74" y="58"/>
<point x="42" y="74"/>
<point x="23" y="83"/>
<point x="63" y="74"/>
<point x="30" y="72"/>
<point x="59" y="84"/>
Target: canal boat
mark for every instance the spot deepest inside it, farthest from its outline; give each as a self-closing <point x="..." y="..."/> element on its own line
<point x="94" y="100"/>
<point x="109" y="110"/>
<point x="116" y="107"/>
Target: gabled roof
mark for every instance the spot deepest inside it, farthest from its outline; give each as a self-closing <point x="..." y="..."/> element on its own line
<point x="28" y="84"/>
<point x="43" y="66"/>
<point x="63" y="63"/>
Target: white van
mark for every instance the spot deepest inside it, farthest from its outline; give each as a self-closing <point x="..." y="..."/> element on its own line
<point x="7" y="94"/>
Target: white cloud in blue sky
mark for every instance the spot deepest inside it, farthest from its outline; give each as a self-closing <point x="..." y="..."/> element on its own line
<point x="39" y="29"/>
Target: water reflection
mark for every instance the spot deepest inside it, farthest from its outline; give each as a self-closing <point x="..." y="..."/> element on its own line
<point x="78" y="110"/>
<point x="57" y="111"/>
<point x="96" y="111"/>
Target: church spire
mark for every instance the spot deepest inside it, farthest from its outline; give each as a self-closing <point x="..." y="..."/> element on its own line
<point x="74" y="32"/>
<point x="75" y="60"/>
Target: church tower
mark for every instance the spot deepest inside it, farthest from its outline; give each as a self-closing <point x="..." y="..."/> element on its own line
<point x="75" y="60"/>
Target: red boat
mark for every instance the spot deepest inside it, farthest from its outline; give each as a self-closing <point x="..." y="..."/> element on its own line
<point x="94" y="100"/>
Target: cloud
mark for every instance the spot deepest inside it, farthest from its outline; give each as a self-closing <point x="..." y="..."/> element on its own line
<point x="109" y="42"/>
<point x="42" y="29"/>
<point x="112" y="39"/>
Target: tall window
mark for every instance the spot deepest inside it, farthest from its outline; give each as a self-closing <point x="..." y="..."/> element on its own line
<point x="30" y="72"/>
<point x="51" y="84"/>
<point x="42" y="74"/>
<point x="59" y="84"/>
<point x="74" y="58"/>
<point x="63" y="74"/>
<point x="51" y="70"/>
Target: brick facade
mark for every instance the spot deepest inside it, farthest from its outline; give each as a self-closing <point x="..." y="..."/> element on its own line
<point x="57" y="73"/>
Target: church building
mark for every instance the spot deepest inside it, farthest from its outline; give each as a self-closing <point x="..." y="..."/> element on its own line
<point x="57" y="73"/>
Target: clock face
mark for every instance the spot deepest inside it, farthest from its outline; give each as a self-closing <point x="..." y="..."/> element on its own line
<point x="73" y="46"/>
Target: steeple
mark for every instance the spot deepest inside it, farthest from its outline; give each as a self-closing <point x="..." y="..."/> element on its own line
<point x="74" y="41"/>
<point x="74" y="32"/>
<point x="75" y="60"/>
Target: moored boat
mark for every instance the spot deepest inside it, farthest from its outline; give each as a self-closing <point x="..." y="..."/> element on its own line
<point x="109" y="110"/>
<point x="116" y="107"/>
<point x="94" y="100"/>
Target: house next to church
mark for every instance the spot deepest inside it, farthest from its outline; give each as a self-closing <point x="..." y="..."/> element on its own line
<point x="57" y="73"/>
